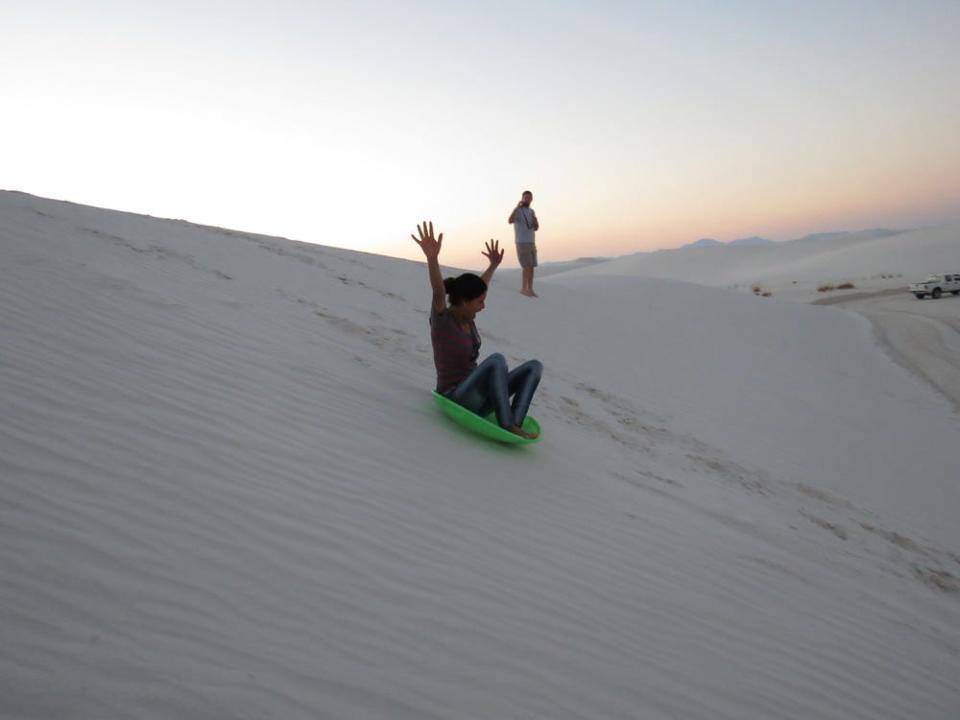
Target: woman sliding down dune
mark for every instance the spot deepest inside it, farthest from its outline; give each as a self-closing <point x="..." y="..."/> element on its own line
<point x="456" y="343"/>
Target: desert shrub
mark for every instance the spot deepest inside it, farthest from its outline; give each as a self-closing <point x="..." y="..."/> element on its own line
<point x="827" y="287"/>
<point x="846" y="286"/>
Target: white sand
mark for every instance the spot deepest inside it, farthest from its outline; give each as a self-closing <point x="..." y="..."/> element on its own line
<point x="866" y="272"/>
<point x="924" y="337"/>
<point x="226" y="494"/>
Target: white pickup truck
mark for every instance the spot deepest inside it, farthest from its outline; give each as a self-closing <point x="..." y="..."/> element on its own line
<point x="936" y="285"/>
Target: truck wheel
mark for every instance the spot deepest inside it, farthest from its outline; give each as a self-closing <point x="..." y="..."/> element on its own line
<point x="955" y="292"/>
<point x="936" y="294"/>
<point x="920" y="296"/>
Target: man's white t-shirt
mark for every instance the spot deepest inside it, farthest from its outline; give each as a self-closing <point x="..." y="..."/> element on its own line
<point x="523" y="223"/>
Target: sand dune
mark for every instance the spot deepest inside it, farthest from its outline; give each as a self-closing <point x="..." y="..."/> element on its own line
<point x="226" y="493"/>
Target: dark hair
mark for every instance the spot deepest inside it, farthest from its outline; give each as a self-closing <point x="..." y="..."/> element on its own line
<point x="464" y="287"/>
<point x="526" y="192"/>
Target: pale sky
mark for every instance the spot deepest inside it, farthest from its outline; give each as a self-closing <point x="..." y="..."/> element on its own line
<point x="637" y="125"/>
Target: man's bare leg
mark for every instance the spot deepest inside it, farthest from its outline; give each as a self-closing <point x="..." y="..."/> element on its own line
<point x="527" y="288"/>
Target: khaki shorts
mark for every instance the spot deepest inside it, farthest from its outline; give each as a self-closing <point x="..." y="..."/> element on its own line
<point x="527" y="254"/>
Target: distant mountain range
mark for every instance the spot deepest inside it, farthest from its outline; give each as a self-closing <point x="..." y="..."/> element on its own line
<point x="815" y="237"/>
<point x="710" y="242"/>
<point x="871" y="233"/>
<point x="554" y="268"/>
<point x="754" y="240"/>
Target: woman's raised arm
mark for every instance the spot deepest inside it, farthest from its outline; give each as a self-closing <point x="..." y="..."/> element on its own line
<point x="431" y="249"/>
<point x="495" y="255"/>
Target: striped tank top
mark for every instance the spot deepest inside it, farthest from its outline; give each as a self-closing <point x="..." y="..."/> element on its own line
<point x="455" y="350"/>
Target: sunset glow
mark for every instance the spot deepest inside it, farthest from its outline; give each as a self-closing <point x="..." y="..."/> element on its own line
<point x="636" y="125"/>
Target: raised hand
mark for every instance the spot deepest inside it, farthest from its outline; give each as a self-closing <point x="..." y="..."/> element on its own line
<point x="494" y="253"/>
<point x="427" y="243"/>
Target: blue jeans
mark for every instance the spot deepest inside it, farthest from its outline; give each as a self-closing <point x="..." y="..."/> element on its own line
<point x="490" y="387"/>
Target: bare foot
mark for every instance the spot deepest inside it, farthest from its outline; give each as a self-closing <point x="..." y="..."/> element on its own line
<point x="528" y="293"/>
<point x="517" y="430"/>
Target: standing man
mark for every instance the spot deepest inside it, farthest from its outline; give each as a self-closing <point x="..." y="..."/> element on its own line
<point x="525" y="226"/>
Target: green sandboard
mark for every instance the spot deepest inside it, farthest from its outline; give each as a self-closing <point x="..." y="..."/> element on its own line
<point x="487" y="426"/>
